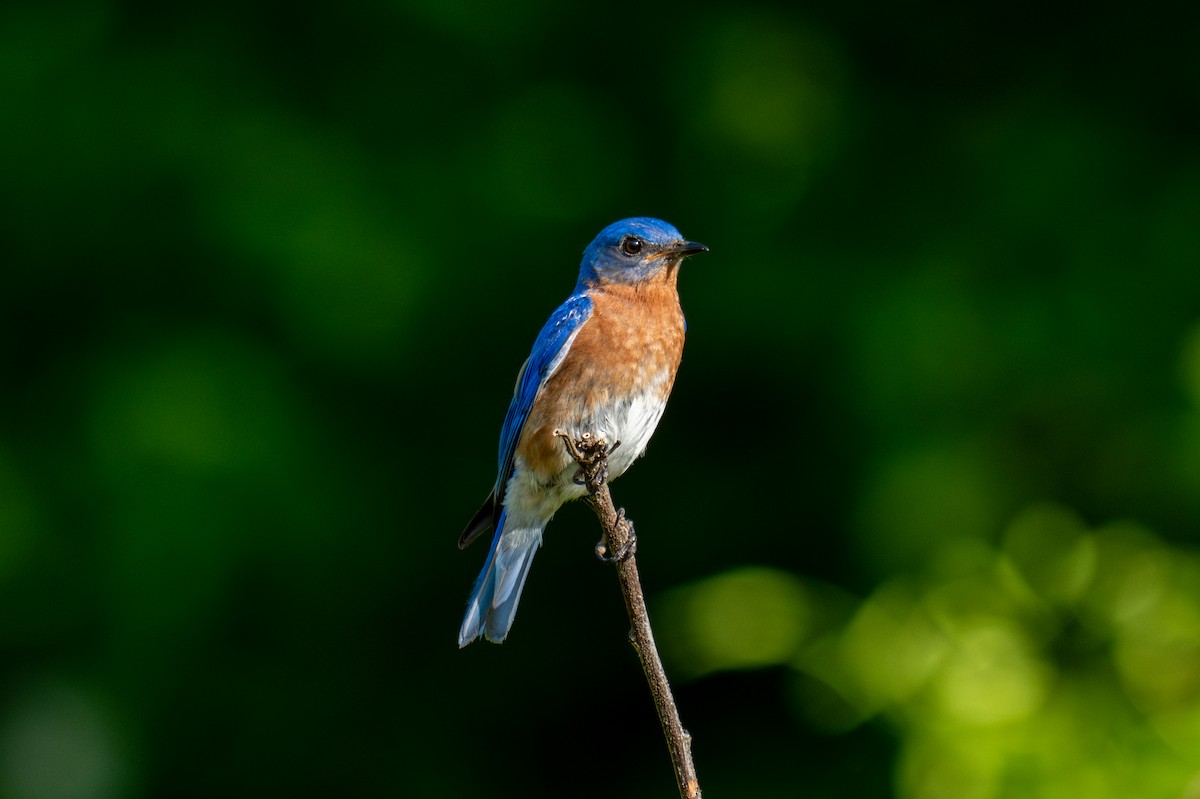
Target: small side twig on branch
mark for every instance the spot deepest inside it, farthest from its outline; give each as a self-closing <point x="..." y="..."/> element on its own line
<point x="618" y="546"/>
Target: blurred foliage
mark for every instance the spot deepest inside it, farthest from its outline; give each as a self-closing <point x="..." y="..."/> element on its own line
<point x="1063" y="662"/>
<point x="922" y="519"/>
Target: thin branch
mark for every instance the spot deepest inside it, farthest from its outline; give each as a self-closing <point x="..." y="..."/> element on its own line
<point x="591" y="454"/>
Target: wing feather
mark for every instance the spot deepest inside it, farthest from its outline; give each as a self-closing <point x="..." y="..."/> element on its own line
<point x="549" y="349"/>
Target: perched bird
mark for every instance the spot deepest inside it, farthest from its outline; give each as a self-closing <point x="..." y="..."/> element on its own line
<point x="603" y="364"/>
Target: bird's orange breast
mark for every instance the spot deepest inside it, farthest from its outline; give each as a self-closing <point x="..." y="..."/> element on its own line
<point x="631" y="344"/>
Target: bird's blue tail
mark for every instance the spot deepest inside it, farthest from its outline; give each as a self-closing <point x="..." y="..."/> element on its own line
<point x="493" y="603"/>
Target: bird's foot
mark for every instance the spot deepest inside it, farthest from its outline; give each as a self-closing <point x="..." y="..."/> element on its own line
<point x="591" y="453"/>
<point x="627" y="550"/>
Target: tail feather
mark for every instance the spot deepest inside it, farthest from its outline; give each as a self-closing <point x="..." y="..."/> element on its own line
<point x="493" y="603"/>
<point x="483" y="520"/>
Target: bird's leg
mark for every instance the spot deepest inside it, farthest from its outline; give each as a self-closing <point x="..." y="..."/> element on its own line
<point x="591" y="453"/>
<point x="600" y="454"/>
<point x="599" y="467"/>
<point x="628" y="550"/>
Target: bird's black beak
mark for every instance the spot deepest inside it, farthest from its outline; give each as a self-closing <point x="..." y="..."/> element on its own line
<point x="686" y="248"/>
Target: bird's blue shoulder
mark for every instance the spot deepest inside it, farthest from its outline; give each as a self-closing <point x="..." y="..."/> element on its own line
<point x="549" y="349"/>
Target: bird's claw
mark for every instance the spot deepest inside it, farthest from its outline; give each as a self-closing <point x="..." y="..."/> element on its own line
<point x="590" y="452"/>
<point x="625" y="552"/>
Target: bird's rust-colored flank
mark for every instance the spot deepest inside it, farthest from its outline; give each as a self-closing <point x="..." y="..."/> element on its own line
<point x="635" y="333"/>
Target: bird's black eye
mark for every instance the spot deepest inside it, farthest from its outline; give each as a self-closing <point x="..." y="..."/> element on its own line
<point x="631" y="245"/>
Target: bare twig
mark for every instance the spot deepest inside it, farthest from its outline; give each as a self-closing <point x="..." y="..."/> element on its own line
<point x="591" y="454"/>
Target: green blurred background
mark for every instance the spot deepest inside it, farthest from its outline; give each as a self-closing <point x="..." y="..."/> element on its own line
<point x="923" y="517"/>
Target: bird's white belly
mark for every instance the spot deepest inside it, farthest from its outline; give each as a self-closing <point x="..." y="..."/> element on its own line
<point x="630" y="420"/>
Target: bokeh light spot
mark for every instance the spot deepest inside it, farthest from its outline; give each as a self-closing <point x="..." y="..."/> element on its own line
<point x="990" y="675"/>
<point x="1158" y="649"/>
<point x="892" y="646"/>
<point x="1050" y="548"/>
<point x="770" y="93"/>
<point x="1190" y="363"/>
<point x="206" y="401"/>
<point x="746" y="618"/>
<point x="58" y="743"/>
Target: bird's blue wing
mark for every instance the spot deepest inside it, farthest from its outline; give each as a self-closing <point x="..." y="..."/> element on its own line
<point x="494" y="599"/>
<point x="548" y="352"/>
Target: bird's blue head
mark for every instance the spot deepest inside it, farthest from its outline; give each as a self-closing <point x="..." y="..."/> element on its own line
<point x="634" y="250"/>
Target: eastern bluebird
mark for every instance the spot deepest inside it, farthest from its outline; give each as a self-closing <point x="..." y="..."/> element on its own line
<point x="604" y="364"/>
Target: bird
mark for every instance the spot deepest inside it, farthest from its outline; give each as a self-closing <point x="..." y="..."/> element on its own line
<point x="603" y="364"/>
